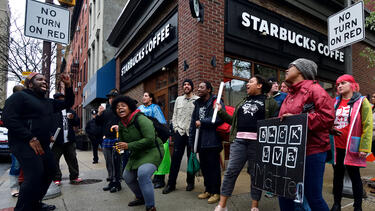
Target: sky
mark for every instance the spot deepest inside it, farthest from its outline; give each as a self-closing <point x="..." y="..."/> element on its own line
<point x="17" y="9"/>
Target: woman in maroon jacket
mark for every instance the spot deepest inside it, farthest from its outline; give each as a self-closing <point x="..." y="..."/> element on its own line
<point x="307" y="96"/>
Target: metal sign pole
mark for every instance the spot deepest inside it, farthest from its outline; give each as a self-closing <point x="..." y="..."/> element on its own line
<point x="348" y="50"/>
<point x="46" y="59"/>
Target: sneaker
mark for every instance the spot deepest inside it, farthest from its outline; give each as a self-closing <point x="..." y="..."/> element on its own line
<point x="214" y="198"/>
<point x="76" y="181"/>
<point x="168" y="189"/>
<point x="190" y="187"/>
<point x="219" y="208"/>
<point x="57" y="182"/>
<point x="204" y="195"/>
<point x="136" y="202"/>
<point x="254" y="209"/>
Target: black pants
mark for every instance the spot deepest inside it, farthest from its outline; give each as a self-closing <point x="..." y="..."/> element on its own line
<point x="338" y="179"/>
<point x="38" y="172"/>
<point x="95" y="145"/>
<point x="210" y="166"/>
<point x="180" y="143"/>
<point x="70" y="156"/>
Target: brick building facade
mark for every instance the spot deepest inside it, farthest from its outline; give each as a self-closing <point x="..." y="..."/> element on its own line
<point x="221" y="47"/>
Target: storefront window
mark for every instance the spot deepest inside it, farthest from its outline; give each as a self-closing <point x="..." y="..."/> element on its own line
<point x="329" y="87"/>
<point x="240" y="68"/>
<point x="265" y="71"/>
<point x="235" y="91"/>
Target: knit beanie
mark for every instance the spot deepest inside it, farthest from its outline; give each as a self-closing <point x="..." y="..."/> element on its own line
<point x="307" y="67"/>
<point x="190" y="82"/>
<point x="29" y="78"/>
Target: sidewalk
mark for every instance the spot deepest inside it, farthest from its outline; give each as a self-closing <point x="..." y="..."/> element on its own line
<point x="91" y="196"/>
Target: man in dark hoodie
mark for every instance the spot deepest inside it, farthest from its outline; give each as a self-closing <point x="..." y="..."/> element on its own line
<point x="65" y="143"/>
<point x="209" y="143"/>
<point x="28" y="115"/>
<point x="106" y="118"/>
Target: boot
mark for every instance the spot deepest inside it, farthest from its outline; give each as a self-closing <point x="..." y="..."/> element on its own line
<point x="168" y="189"/>
<point x="150" y="209"/>
<point x="108" y="187"/>
<point x="116" y="187"/>
<point x="190" y="187"/>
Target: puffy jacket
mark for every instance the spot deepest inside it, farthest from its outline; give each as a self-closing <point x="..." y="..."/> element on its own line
<point x="309" y="96"/>
<point x="58" y="122"/>
<point x="208" y="138"/>
<point x="28" y="115"/>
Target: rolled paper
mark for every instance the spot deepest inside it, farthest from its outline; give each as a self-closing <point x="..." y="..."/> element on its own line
<point x="196" y="140"/>
<point x="55" y="137"/>
<point x="218" y="101"/>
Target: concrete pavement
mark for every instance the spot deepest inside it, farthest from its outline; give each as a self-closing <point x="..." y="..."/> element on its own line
<point x="91" y="196"/>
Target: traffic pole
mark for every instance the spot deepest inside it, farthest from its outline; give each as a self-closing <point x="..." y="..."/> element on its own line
<point x="348" y="50"/>
<point x="46" y="59"/>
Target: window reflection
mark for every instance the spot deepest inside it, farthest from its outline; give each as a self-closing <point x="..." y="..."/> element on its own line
<point x="240" y="68"/>
<point x="235" y="91"/>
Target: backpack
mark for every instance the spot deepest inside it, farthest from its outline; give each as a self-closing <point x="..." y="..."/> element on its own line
<point x="225" y="127"/>
<point x="161" y="130"/>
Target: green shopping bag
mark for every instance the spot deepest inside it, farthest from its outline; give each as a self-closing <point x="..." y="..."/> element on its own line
<point x="193" y="164"/>
<point x="165" y="164"/>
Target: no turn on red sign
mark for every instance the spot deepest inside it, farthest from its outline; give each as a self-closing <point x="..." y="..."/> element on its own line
<point x="346" y="27"/>
<point x="47" y="22"/>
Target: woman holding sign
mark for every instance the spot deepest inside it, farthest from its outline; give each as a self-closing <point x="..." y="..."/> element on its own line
<point x="307" y="96"/>
<point x="352" y="138"/>
<point x="243" y="135"/>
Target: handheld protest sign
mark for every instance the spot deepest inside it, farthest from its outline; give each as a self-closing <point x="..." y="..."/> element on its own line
<point x="218" y="101"/>
<point x="279" y="167"/>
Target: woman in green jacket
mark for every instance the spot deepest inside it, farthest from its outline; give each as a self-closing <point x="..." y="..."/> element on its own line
<point x="144" y="153"/>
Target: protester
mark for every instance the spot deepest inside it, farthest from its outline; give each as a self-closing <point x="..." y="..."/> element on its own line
<point x="275" y="93"/>
<point x="183" y="109"/>
<point x="28" y="115"/>
<point x="243" y="135"/>
<point x="307" y="96"/>
<point x="15" y="168"/>
<point x="145" y="156"/>
<point x="209" y="143"/>
<point x="284" y="87"/>
<point x="150" y="108"/>
<point x="373" y="134"/>
<point x="65" y="142"/>
<point x="94" y="132"/>
<point x="352" y="139"/>
<point x="105" y="119"/>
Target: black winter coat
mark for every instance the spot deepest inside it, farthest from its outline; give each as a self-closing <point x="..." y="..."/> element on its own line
<point x="28" y="115"/>
<point x="208" y="137"/>
<point x="93" y="130"/>
<point x="106" y="120"/>
<point x="58" y="120"/>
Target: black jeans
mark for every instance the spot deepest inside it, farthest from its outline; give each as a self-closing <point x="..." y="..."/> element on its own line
<point x="38" y="172"/>
<point x="180" y="143"/>
<point x="95" y="145"/>
<point x="338" y="179"/>
<point x="210" y="166"/>
<point x="70" y="156"/>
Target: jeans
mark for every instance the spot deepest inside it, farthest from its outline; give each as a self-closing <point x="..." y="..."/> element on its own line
<point x="113" y="164"/>
<point x="338" y="178"/>
<point x="180" y="143"/>
<point x="314" y="172"/>
<point x="241" y="151"/>
<point x="70" y="156"/>
<point x="210" y="166"/>
<point x="14" y="172"/>
<point x="139" y="182"/>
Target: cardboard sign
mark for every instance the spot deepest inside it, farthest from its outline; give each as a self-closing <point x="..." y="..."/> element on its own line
<point x="280" y="159"/>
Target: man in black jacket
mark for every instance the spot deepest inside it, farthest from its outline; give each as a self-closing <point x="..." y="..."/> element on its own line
<point x="65" y="142"/>
<point x="28" y="115"/>
<point x="106" y="118"/>
<point x="209" y="142"/>
<point x="94" y="132"/>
